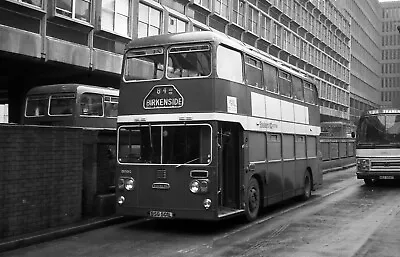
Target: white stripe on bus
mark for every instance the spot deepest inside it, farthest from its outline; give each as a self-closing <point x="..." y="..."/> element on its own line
<point x="278" y="109"/>
<point x="248" y="123"/>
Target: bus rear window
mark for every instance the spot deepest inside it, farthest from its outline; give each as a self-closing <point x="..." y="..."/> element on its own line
<point x="175" y="145"/>
<point x="189" y="61"/>
<point x="62" y="104"/>
<point x="144" y="64"/>
<point x="36" y="106"/>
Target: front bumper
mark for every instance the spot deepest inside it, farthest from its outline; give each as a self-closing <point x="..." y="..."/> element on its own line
<point x="378" y="174"/>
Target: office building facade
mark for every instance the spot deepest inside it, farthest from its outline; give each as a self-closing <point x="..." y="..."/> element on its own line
<point x="82" y="40"/>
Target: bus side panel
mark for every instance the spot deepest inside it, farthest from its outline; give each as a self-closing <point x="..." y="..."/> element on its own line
<point x="314" y="159"/>
<point x="231" y="94"/>
<point x="96" y="122"/>
<point x="301" y="167"/>
<point x="314" y="116"/>
<point x="274" y="182"/>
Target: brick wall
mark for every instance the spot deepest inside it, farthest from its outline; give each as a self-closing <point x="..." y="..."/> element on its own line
<point x="40" y="178"/>
<point x="99" y="164"/>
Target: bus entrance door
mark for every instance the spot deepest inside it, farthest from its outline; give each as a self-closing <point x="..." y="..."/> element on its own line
<point x="229" y="150"/>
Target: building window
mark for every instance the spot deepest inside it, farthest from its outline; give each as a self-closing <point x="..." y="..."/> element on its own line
<point x="115" y="16"/>
<point x="176" y="25"/>
<point x="37" y="3"/>
<point x="238" y="12"/>
<point x="265" y="26"/>
<point x="277" y="39"/>
<point x="221" y="8"/>
<point x="75" y="9"/>
<point x="204" y="3"/>
<point x="253" y="20"/>
<point x="149" y="21"/>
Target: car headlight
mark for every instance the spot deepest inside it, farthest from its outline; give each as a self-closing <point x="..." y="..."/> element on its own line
<point x="363" y="164"/>
<point x="129" y="184"/>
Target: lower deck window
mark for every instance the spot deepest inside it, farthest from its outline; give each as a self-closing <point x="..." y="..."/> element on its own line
<point x="172" y="144"/>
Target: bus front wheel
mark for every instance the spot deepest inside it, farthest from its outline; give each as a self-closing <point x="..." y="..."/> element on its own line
<point x="253" y="200"/>
<point x="307" y="187"/>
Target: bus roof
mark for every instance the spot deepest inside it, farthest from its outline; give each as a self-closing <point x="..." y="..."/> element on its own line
<point x="382" y="111"/>
<point x="59" y="88"/>
<point x="219" y="38"/>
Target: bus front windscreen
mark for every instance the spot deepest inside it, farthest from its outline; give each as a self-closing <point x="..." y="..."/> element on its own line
<point x="144" y="64"/>
<point x="379" y="129"/>
<point x="172" y="144"/>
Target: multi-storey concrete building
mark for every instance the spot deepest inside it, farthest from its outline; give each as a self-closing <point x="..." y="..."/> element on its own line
<point x="390" y="41"/>
<point x="365" y="54"/>
<point x="50" y="41"/>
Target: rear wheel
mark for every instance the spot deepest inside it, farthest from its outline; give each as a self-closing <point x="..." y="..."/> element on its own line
<point x="253" y="200"/>
<point x="307" y="187"/>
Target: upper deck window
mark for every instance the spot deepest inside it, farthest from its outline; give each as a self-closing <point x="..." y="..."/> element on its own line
<point x="144" y="64"/>
<point x="91" y="104"/>
<point x="189" y="61"/>
<point x="298" y="92"/>
<point x="254" y="72"/>
<point x="36" y="106"/>
<point x="229" y="64"/>
<point x="310" y="93"/>
<point x="285" y="83"/>
<point x="62" y="104"/>
<point x="270" y="78"/>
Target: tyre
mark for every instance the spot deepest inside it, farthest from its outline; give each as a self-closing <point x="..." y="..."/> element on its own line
<point x="253" y="200"/>
<point x="307" y="187"/>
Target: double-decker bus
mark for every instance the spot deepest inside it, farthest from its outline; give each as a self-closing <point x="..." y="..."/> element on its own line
<point x="74" y="105"/>
<point x="378" y="145"/>
<point x="209" y="127"/>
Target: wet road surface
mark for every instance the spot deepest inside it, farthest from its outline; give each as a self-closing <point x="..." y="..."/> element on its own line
<point x="343" y="218"/>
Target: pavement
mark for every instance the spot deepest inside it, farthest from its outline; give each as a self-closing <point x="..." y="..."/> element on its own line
<point x="58" y="232"/>
<point x="75" y="228"/>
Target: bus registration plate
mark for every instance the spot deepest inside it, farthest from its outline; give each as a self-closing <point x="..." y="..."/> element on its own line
<point x="161" y="214"/>
<point x="386" y="177"/>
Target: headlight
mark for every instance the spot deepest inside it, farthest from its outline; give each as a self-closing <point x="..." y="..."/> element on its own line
<point x="194" y="186"/>
<point x="198" y="186"/>
<point x="121" y="183"/>
<point x="121" y="200"/>
<point x="129" y="184"/>
<point x="207" y="204"/>
<point x="363" y="164"/>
